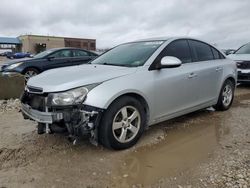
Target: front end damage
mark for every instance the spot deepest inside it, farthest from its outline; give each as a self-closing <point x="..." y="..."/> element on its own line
<point x="75" y="121"/>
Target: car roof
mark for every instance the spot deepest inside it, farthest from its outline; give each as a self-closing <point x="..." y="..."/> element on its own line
<point x="153" y="39"/>
<point x="70" y="48"/>
<point x="67" y="48"/>
<point x="166" y="38"/>
<point x="175" y="38"/>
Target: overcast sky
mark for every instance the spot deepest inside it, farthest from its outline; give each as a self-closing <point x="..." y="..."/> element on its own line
<point x="224" y="22"/>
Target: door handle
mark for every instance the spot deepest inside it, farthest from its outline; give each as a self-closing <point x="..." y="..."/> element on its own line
<point x="218" y="69"/>
<point x="192" y="75"/>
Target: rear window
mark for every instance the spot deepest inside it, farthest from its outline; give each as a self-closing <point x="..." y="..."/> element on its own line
<point x="216" y="53"/>
<point x="201" y="51"/>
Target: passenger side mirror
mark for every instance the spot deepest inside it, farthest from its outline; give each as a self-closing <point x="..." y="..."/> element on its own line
<point x="170" y="62"/>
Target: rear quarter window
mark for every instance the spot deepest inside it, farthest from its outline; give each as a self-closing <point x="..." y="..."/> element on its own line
<point x="217" y="54"/>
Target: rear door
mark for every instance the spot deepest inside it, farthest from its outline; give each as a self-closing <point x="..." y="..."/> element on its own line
<point x="81" y="57"/>
<point x="208" y="68"/>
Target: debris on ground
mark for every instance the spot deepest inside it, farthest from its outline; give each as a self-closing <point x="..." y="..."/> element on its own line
<point x="10" y="105"/>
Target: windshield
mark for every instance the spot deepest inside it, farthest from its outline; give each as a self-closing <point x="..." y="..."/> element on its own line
<point x="43" y="54"/>
<point x="129" y="54"/>
<point x="244" y="49"/>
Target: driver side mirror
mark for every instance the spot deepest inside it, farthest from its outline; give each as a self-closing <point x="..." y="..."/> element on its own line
<point x="50" y="58"/>
<point x="170" y="62"/>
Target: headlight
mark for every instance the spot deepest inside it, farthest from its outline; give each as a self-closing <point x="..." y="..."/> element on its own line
<point x="71" y="97"/>
<point x="14" y="65"/>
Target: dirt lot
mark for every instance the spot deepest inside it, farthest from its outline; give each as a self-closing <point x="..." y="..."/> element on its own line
<point x="202" y="149"/>
<point x="2" y="59"/>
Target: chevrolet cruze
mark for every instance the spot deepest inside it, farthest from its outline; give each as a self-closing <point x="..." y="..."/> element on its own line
<point x="114" y="98"/>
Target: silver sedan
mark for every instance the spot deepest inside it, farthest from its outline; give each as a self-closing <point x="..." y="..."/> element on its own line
<point x="132" y="86"/>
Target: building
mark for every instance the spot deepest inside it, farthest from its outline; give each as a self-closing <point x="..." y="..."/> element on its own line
<point x="10" y="44"/>
<point x="37" y="43"/>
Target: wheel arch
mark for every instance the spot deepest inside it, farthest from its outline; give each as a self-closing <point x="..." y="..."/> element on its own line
<point x="138" y="97"/>
<point x="231" y="78"/>
<point x="32" y="67"/>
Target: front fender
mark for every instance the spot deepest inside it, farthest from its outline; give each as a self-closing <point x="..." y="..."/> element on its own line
<point x="102" y="99"/>
<point x="104" y="94"/>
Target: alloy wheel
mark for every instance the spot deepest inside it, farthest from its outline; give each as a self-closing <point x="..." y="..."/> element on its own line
<point x="126" y="124"/>
<point x="29" y="74"/>
<point x="227" y="95"/>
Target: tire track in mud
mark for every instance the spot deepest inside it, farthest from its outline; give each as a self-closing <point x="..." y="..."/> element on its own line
<point x="13" y="157"/>
<point x="30" y="149"/>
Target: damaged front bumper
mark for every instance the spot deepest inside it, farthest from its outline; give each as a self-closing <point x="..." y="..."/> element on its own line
<point x="75" y="120"/>
<point x="40" y="117"/>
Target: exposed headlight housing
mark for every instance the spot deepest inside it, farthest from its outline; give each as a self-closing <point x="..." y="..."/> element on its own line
<point x="14" y="65"/>
<point x="70" y="97"/>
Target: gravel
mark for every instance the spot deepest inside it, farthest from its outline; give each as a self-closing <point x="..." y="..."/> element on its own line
<point x="50" y="161"/>
<point x="10" y="105"/>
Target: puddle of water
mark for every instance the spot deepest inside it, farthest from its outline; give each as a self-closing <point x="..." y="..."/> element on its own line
<point x="183" y="149"/>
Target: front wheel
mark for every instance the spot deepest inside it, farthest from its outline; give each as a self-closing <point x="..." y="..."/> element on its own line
<point x="122" y="124"/>
<point x="226" y="96"/>
<point x="30" y="72"/>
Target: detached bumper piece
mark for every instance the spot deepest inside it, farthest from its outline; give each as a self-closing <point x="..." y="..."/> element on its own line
<point x="40" y="117"/>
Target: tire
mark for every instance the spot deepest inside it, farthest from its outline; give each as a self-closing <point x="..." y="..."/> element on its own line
<point x="41" y="128"/>
<point x="226" y="96"/>
<point x="119" y="129"/>
<point x="28" y="73"/>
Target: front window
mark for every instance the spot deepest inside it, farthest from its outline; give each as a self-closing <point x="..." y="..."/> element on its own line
<point x="62" y="54"/>
<point x="129" y="54"/>
<point x="244" y="49"/>
<point x="79" y="53"/>
<point x="43" y="54"/>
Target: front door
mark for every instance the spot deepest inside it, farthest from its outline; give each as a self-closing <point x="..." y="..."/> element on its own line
<point x="59" y="59"/>
<point x="175" y="88"/>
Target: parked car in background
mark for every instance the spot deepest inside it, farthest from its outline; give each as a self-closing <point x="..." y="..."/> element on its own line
<point x="7" y="54"/>
<point x="2" y="54"/>
<point x="228" y="51"/>
<point x="49" y="59"/>
<point x="132" y="86"/>
<point x="242" y="59"/>
<point x="18" y="55"/>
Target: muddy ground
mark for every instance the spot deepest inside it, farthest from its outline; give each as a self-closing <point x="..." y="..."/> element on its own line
<point x="2" y="59"/>
<point x="202" y="149"/>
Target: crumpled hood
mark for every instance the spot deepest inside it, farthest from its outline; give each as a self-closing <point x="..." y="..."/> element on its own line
<point x="239" y="57"/>
<point x="66" y="78"/>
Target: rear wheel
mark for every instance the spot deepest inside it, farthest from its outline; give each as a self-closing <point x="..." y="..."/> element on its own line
<point x="122" y="124"/>
<point x="226" y="96"/>
<point x="30" y="72"/>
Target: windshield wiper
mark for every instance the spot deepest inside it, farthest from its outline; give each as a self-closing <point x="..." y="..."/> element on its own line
<point x="112" y="64"/>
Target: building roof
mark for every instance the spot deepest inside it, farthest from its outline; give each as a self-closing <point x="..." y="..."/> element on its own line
<point x="51" y="36"/>
<point x="9" y="40"/>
